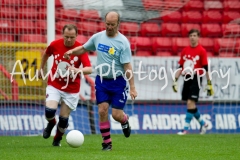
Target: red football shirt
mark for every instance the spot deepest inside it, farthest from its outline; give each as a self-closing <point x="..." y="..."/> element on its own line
<point x="193" y="57"/>
<point x="57" y="50"/>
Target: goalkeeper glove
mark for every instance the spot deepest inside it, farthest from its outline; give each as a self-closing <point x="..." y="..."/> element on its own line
<point x="209" y="88"/>
<point x="175" y="85"/>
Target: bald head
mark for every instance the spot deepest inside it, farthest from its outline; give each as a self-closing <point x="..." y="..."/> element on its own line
<point x="112" y="21"/>
<point x="112" y="15"/>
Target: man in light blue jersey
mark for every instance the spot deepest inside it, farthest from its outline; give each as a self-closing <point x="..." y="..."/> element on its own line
<point x="113" y="69"/>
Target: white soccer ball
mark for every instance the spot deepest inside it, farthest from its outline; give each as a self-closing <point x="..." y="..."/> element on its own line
<point x="75" y="138"/>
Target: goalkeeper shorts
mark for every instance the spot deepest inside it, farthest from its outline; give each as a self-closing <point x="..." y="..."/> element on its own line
<point x="191" y="89"/>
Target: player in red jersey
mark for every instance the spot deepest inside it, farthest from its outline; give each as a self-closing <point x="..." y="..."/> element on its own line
<point x="63" y="87"/>
<point x="194" y="64"/>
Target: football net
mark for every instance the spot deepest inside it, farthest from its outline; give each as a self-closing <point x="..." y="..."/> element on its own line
<point x="155" y="31"/>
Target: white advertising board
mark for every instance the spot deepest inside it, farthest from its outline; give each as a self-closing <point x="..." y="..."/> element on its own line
<point x="153" y="78"/>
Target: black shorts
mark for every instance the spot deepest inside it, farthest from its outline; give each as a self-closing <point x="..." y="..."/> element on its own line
<point x="191" y="89"/>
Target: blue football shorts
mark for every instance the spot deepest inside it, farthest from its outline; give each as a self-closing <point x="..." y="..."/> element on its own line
<point x="112" y="91"/>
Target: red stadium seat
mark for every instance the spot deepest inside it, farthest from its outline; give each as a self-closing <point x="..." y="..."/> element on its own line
<point x="6" y="38"/>
<point x="207" y="43"/>
<point x="172" y="5"/>
<point x="164" y="54"/>
<point x="41" y="27"/>
<point x="82" y="39"/>
<point x="58" y="4"/>
<point x="171" y="29"/>
<point x="129" y="28"/>
<point x="14" y="3"/>
<point x="101" y="26"/>
<point x="213" y="5"/>
<point x="67" y="15"/>
<point x="231" y="30"/>
<point x="34" y="3"/>
<point x="42" y="13"/>
<point x="224" y="45"/>
<point x="237" y="47"/>
<point x="192" y="17"/>
<point x="212" y="17"/>
<point x="194" y="6"/>
<point x="24" y="26"/>
<point x="150" y="29"/>
<point x="211" y="30"/>
<point x="210" y="54"/>
<point x="36" y="38"/>
<point x="231" y="5"/>
<point x="60" y="25"/>
<point x="89" y="15"/>
<point x="141" y="43"/>
<point x="153" y="5"/>
<point x="87" y="28"/>
<point x="227" y="54"/>
<point x="6" y="26"/>
<point x="27" y="13"/>
<point x="58" y="36"/>
<point x="175" y="16"/>
<point x="162" y="44"/>
<point x="8" y="12"/>
<point x="186" y="27"/>
<point x="143" y="53"/>
<point x="229" y="16"/>
<point x="179" y="44"/>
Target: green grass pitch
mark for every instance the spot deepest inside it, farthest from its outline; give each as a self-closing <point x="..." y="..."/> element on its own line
<point x="137" y="147"/>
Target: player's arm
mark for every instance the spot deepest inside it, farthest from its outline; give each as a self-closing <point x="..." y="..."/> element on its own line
<point x="75" y="51"/>
<point x="88" y="46"/>
<point x="204" y="61"/>
<point x="45" y="57"/>
<point x="178" y="72"/>
<point x="177" y="75"/>
<point x="86" y="69"/>
<point x="209" y="87"/>
<point x="130" y="77"/>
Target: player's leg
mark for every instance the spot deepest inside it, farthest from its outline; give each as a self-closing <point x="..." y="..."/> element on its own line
<point x="119" y="98"/>
<point x="190" y="105"/>
<point x="52" y="99"/>
<point x="202" y="123"/>
<point x="104" y="126"/>
<point x="195" y="92"/>
<point x="103" y="100"/>
<point x="69" y="103"/>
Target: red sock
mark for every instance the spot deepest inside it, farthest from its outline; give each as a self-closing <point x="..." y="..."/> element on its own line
<point x="59" y="134"/>
<point x="53" y="121"/>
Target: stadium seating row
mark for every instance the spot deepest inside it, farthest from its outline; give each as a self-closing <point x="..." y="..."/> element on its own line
<point x="175" y="45"/>
<point x="29" y="3"/>
<point x="61" y="14"/>
<point x="194" y="5"/>
<point x="154" y="46"/>
<point x="127" y="28"/>
<point x="209" y="16"/>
